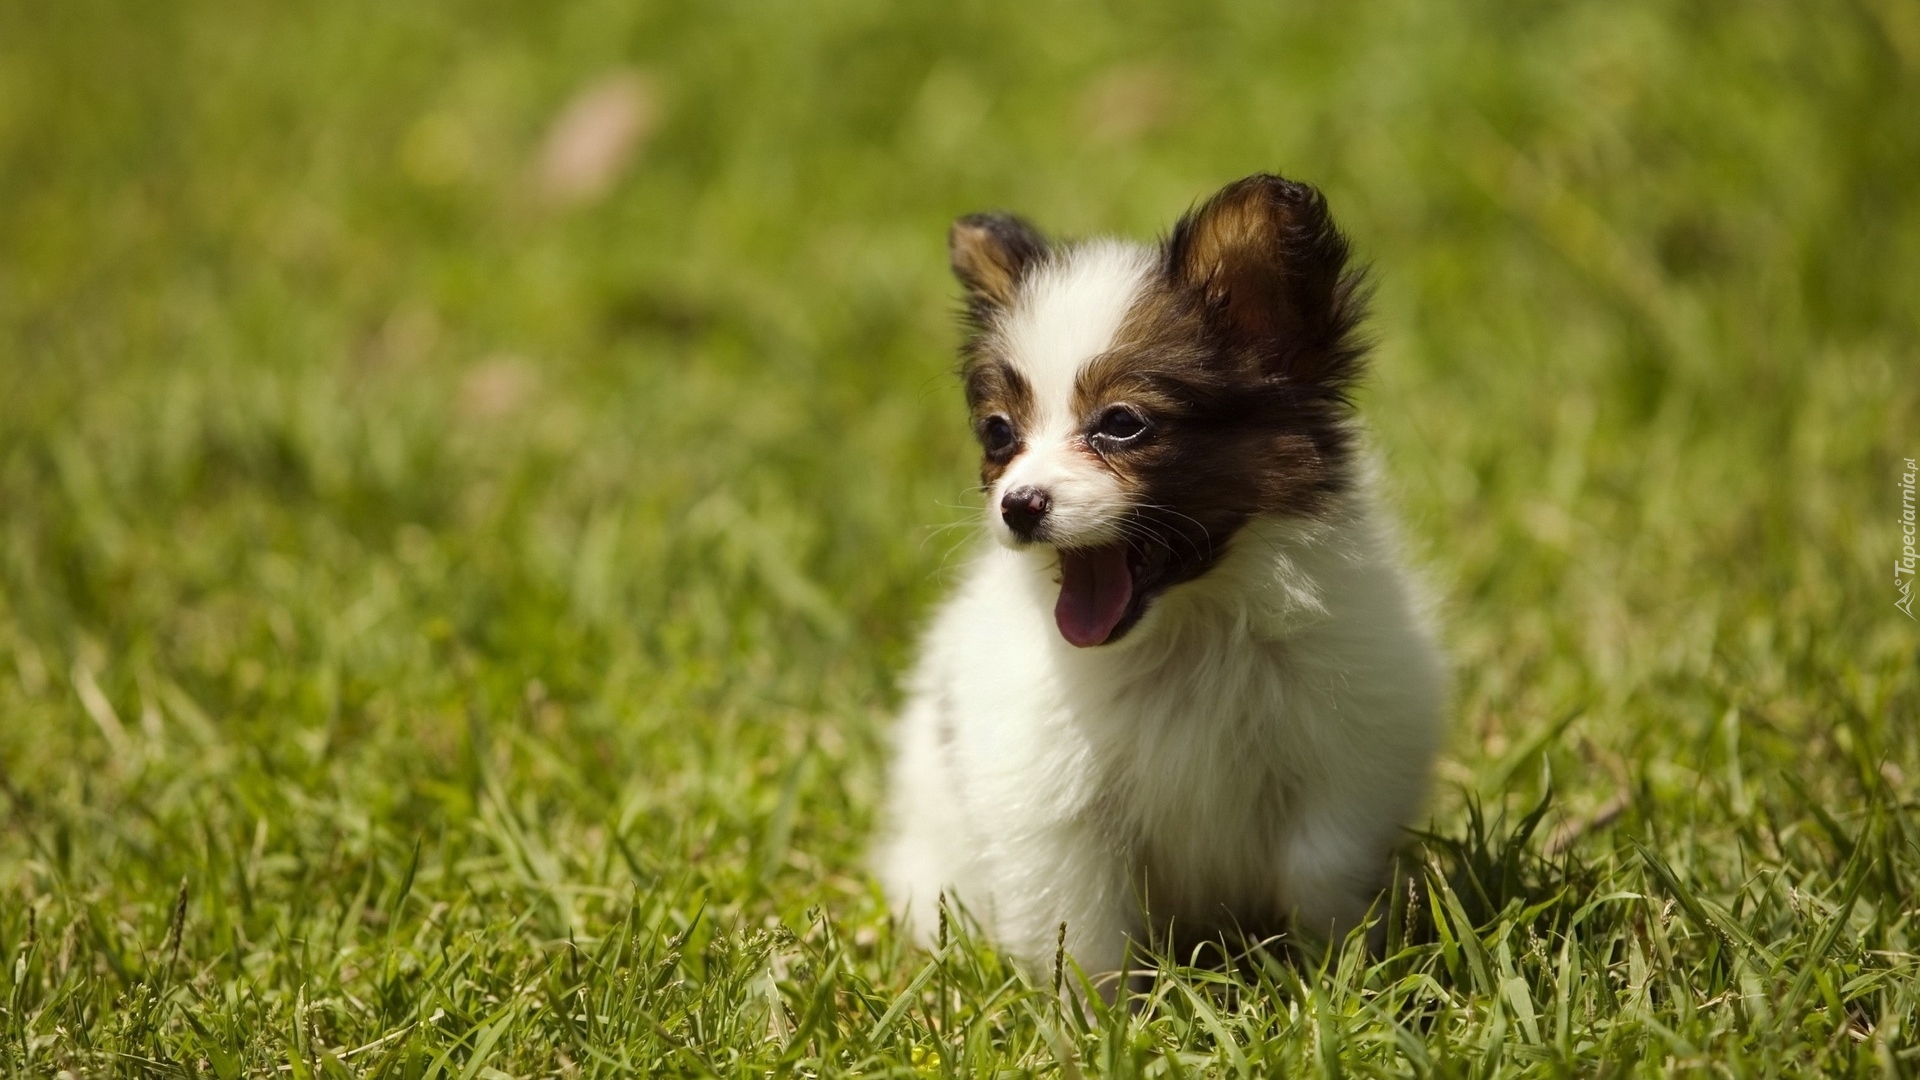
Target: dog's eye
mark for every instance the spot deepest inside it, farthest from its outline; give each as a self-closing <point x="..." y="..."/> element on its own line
<point x="1122" y="423"/>
<point x="996" y="434"/>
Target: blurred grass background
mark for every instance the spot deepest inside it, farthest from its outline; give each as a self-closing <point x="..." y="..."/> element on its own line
<point x="470" y="475"/>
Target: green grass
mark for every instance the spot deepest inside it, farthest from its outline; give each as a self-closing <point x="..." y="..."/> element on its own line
<point x="448" y="633"/>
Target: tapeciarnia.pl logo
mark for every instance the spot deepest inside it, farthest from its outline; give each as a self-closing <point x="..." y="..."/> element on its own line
<point x="1904" y="566"/>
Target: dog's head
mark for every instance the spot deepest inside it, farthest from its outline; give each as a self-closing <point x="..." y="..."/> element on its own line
<point x="1136" y="406"/>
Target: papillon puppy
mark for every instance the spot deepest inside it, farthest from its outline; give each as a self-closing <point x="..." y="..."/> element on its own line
<point x="1187" y="688"/>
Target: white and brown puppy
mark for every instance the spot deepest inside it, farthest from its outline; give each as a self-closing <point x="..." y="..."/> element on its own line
<point x="1189" y="685"/>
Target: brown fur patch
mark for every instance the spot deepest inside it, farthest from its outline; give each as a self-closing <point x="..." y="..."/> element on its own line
<point x="994" y="388"/>
<point x="1271" y="269"/>
<point x="1239" y="354"/>
<point x="991" y="254"/>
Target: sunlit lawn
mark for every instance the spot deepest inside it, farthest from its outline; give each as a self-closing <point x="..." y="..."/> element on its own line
<point x="470" y="477"/>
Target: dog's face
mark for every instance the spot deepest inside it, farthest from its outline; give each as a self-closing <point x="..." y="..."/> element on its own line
<point x="1136" y="406"/>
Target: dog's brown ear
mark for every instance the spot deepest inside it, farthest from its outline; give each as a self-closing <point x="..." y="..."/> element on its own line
<point x="1271" y="267"/>
<point x="991" y="253"/>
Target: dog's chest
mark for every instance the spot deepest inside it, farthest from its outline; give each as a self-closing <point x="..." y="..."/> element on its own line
<point x="1199" y="762"/>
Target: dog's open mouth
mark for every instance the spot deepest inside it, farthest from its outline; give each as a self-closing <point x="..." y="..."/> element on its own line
<point x="1102" y="592"/>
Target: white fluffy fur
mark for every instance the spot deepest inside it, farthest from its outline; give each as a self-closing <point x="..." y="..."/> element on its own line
<point x="1256" y="743"/>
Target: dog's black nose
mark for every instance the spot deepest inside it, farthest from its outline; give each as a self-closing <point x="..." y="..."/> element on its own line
<point x="1023" y="509"/>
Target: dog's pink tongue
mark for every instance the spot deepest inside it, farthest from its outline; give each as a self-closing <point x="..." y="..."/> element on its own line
<point x="1095" y="588"/>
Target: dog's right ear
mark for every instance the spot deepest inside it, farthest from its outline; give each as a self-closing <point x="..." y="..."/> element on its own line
<point x="991" y="253"/>
<point x="1270" y="266"/>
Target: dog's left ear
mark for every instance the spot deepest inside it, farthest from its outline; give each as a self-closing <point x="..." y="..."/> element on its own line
<point x="991" y="253"/>
<point x="1271" y="267"/>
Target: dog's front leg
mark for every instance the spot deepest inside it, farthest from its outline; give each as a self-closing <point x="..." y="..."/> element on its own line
<point x="1337" y="860"/>
<point x="1069" y="875"/>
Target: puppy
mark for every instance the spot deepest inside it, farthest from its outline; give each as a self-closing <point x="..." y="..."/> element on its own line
<point x="1187" y="687"/>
